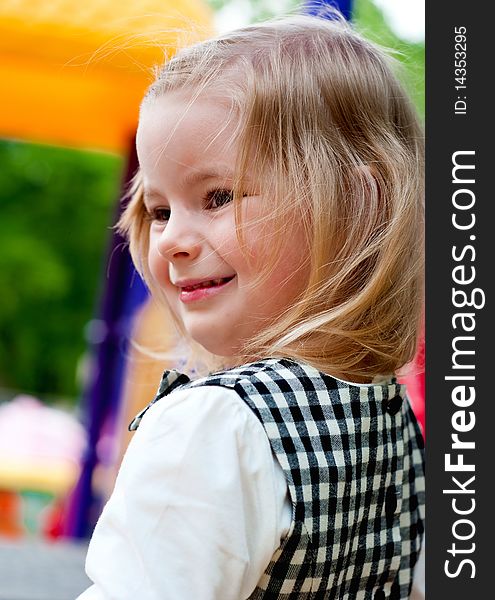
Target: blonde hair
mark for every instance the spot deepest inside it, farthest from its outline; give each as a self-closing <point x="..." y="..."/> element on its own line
<point x="335" y="143"/>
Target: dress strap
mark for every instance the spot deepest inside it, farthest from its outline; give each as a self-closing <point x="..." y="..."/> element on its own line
<point x="170" y="381"/>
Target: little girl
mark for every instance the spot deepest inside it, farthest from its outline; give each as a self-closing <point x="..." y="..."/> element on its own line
<point x="277" y="212"/>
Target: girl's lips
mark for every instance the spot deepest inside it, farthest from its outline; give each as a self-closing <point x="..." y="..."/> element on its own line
<point x="189" y="293"/>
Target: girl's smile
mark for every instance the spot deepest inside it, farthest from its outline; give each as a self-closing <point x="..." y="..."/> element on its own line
<point x="187" y="152"/>
<point x="193" y="291"/>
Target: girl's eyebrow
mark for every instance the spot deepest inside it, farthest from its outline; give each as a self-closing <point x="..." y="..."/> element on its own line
<point x="198" y="176"/>
<point x="149" y="194"/>
<point x="194" y="177"/>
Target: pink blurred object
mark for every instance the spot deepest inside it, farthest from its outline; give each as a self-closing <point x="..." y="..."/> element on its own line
<point x="415" y="382"/>
<point x="40" y="446"/>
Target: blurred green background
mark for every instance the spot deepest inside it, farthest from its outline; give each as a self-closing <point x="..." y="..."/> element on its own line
<point x="57" y="206"/>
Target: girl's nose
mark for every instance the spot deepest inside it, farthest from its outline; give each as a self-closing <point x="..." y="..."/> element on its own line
<point x="179" y="239"/>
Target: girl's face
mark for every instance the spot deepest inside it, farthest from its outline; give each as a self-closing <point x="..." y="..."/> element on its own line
<point x="187" y="158"/>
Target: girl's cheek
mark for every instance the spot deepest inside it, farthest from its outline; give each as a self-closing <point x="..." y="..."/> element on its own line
<point x="260" y="245"/>
<point x="158" y="267"/>
<point x="255" y="241"/>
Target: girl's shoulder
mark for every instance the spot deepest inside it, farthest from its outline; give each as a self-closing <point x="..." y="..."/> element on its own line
<point x="281" y="382"/>
<point x="291" y="371"/>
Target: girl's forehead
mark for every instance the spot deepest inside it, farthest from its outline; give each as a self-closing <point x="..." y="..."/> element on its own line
<point x="168" y="118"/>
<point x="174" y="122"/>
<point x="181" y="137"/>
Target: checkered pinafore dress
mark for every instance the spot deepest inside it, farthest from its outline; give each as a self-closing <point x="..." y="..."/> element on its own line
<point x="353" y="458"/>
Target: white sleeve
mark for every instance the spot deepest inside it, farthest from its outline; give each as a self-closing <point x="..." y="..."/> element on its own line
<point x="199" y="505"/>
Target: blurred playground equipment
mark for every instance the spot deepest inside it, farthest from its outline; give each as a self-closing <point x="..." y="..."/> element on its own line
<point x="40" y="454"/>
<point x="73" y="73"/>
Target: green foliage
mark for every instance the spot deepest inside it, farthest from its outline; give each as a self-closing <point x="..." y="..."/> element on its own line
<point x="56" y="208"/>
<point x="370" y="21"/>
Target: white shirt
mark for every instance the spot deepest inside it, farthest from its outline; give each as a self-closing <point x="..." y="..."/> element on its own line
<point x="199" y="507"/>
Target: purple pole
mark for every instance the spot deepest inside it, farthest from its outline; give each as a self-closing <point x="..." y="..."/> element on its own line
<point x="344" y="6"/>
<point x="123" y="293"/>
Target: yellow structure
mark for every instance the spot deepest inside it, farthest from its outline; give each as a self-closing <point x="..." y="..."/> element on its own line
<point x="73" y="73"/>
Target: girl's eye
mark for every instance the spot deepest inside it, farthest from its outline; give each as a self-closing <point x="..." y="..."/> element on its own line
<point x="218" y="198"/>
<point x="161" y="215"/>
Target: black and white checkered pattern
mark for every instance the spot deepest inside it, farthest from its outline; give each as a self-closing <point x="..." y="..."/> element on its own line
<point x="353" y="458"/>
